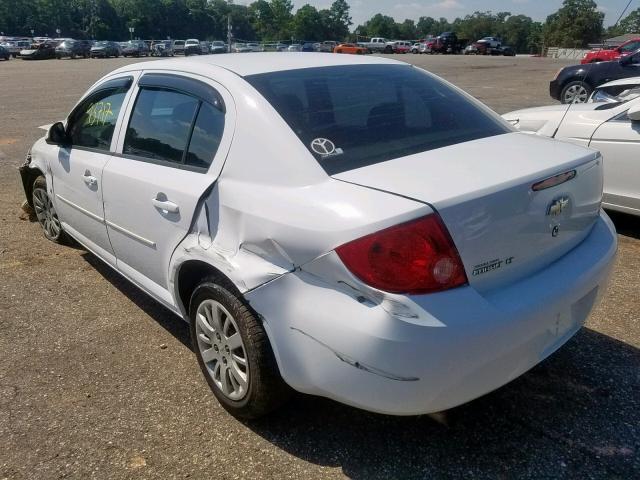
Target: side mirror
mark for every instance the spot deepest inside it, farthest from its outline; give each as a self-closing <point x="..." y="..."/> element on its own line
<point x="57" y="135"/>
<point x="633" y="113"/>
<point x="625" y="60"/>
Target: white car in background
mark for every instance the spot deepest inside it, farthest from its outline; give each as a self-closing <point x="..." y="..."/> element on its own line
<point x="610" y="123"/>
<point x="351" y="227"/>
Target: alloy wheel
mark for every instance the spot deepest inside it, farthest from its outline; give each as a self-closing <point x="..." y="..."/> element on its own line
<point x="576" y="94"/>
<point x="222" y="349"/>
<point x="46" y="214"/>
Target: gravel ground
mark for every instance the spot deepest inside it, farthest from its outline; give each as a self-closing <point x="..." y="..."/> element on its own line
<point x="98" y="381"/>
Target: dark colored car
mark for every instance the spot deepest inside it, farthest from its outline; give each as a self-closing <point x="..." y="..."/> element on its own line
<point x="73" y="49"/>
<point x="4" y="53"/>
<point x="105" y="49"/>
<point x="40" y="51"/>
<point x="574" y="84"/>
<point x="136" y="48"/>
<point x="308" y="47"/>
<point x="447" y="42"/>
<point x="508" y="51"/>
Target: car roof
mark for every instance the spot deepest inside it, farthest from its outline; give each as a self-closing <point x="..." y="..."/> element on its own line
<point x="256" y="63"/>
<point x="622" y="81"/>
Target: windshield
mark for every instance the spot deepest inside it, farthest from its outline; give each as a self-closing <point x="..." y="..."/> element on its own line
<point x="357" y="115"/>
<point x="101" y="44"/>
<point x="614" y="96"/>
<point x="67" y="44"/>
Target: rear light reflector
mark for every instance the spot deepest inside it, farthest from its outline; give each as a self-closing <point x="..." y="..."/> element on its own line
<point x="553" y="181"/>
<point x="411" y="258"/>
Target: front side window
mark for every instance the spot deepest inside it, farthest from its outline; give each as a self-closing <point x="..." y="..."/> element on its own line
<point x="630" y="47"/>
<point x="357" y="115"/>
<point x="92" y="124"/>
<point x="172" y="126"/>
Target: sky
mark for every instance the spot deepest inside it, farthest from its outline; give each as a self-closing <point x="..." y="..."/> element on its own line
<point x="362" y="10"/>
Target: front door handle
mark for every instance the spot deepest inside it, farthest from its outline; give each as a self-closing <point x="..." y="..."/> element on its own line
<point x="165" y="205"/>
<point x="89" y="179"/>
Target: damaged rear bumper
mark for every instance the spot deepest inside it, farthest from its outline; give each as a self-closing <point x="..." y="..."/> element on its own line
<point x="413" y="355"/>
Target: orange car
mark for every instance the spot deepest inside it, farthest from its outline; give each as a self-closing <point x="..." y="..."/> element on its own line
<point x="349" y="48"/>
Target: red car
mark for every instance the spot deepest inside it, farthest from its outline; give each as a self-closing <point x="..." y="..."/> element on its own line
<point x="606" y="55"/>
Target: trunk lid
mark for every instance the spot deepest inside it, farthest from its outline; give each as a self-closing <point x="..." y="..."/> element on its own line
<point x="483" y="191"/>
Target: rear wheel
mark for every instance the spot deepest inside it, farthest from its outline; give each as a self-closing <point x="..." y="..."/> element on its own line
<point x="46" y="212"/>
<point x="234" y="352"/>
<point x="575" y="92"/>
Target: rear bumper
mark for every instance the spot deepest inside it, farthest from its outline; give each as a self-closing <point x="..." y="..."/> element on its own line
<point x="428" y="353"/>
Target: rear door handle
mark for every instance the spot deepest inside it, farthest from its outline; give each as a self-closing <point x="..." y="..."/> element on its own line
<point x="165" y="205"/>
<point x="89" y="179"/>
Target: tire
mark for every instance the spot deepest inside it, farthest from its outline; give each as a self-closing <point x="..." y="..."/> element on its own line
<point x="264" y="390"/>
<point x="575" y="88"/>
<point x="46" y="213"/>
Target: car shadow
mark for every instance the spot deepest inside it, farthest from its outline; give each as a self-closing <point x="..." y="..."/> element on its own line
<point x="626" y="224"/>
<point x="576" y="415"/>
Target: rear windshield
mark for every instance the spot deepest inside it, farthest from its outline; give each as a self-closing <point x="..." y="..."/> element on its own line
<point x="357" y="115"/>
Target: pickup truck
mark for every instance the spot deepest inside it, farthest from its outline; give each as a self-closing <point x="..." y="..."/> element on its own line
<point x="606" y="55"/>
<point x="378" y="44"/>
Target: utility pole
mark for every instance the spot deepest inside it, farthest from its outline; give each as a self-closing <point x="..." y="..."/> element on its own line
<point x="229" y="27"/>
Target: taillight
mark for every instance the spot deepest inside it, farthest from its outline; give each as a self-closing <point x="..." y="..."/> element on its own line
<point x="412" y="258"/>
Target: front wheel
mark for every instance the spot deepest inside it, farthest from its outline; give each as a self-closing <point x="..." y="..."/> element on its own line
<point x="575" y="92"/>
<point x="234" y="352"/>
<point x="46" y="212"/>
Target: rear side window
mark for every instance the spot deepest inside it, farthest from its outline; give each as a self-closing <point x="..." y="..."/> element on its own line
<point x="91" y="125"/>
<point x="174" y="127"/>
<point x="160" y="125"/>
<point x="357" y="115"/>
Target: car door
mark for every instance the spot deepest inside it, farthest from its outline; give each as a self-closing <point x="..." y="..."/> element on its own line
<point x="77" y="168"/>
<point x="171" y="151"/>
<point x="619" y="142"/>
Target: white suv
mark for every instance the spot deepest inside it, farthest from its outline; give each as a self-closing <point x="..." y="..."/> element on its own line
<point x="328" y="222"/>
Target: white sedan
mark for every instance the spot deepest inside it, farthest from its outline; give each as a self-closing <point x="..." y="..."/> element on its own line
<point x="611" y="125"/>
<point x="351" y="227"/>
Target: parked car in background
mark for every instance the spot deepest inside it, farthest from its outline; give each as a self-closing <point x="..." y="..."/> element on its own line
<point x="162" y="48"/>
<point x="616" y="91"/>
<point x="218" y="46"/>
<point x="610" y="125"/>
<point x="241" y="48"/>
<point x="377" y="45"/>
<point x="255" y="47"/>
<point x="5" y="54"/>
<point x="178" y="47"/>
<point x="608" y="54"/>
<point x="423" y="254"/>
<point x="135" y="48"/>
<point x="295" y="47"/>
<point x="401" y="46"/>
<point x="40" y="51"/>
<point x="416" y="47"/>
<point x="15" y="46"/>
<point x="575" y="83"/>
<point x="105" y="49"/>
<point x="192" y="47"/>
<point x="309" y="47"/>
<point x="327" y="46"/>
<point x="73" y="49"/>
<point x="447" y="43"/>
<point x="350" y="48"/>
<point x="508" y="51"/>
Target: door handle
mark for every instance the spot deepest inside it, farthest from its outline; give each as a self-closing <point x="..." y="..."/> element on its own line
<point x="165" y="205"/>
<point x="89" y="179"/>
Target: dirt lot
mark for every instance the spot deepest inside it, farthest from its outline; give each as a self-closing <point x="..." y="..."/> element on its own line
<point x="98" y="381"/>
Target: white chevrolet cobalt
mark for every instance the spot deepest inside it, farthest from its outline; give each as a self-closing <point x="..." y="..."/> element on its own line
<point x="349" y="227"/>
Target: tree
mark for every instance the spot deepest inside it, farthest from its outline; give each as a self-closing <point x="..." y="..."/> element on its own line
<point x="282" y="17"/>
<point x="337" y="21"/>
<point x="576" y="24"/>
<point x="307" y="24"/>
<point x="630" y="23"/>
<point x="380" y="26"/>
